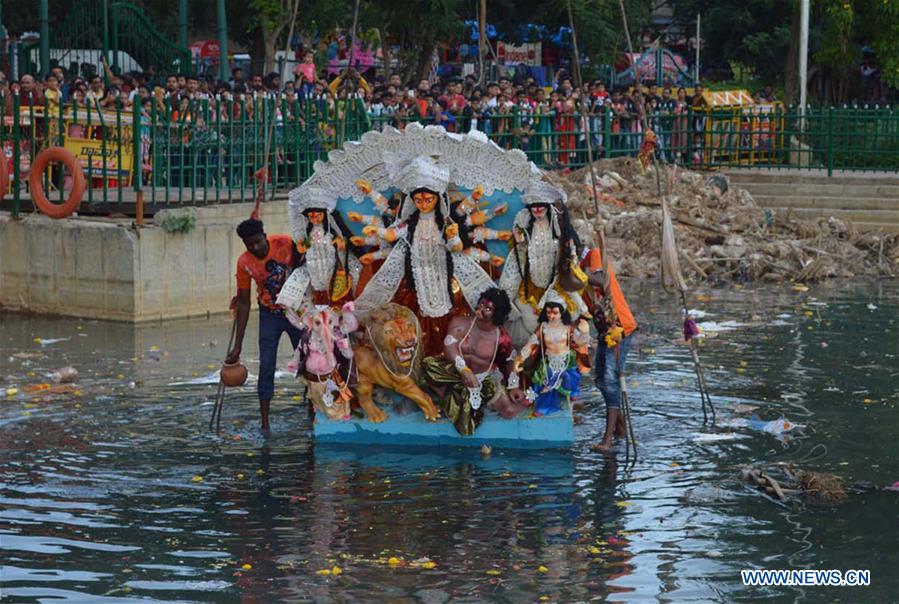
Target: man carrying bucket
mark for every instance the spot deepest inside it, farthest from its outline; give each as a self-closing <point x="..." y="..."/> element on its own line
<point x="268" y="261"/>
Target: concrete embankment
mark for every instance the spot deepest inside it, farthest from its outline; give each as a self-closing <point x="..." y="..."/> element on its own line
<point x="870" y="201"/>
<point x="107" y="269"/>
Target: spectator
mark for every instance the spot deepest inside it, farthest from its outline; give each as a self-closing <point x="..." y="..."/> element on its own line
<point x="30" y="92"/>
<point x="599" y="94"/>
<point x="696" y="99"/>
<point x="767" y="94"/>
<point x="304" y="74"/>
<point x="111" y="98"/>
<point x="52" y="94"/>
<point x="272" y="82"/>
<point x="237" y="77"/>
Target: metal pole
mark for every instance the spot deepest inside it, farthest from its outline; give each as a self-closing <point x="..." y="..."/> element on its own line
<point x="659" y="71"/>
<point x="137" y="171"/>
<point x="223" y="41"/>
<point x="482" y="37"/>
<point x="105" y="10"/>
<point x="114" y="48"/>
<point x="803" y="56"/>
<point x="45" y="37"/>
<point x="352" y="37"/>
<point x="182" y="23"/>
<point x="696" y="65"/>
<point x="584" y="115"/>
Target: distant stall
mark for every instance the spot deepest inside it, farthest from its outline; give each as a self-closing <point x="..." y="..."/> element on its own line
<point x="737" y="130"/>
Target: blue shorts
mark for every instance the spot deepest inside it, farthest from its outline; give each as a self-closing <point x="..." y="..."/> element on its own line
<point x="605" y="370"/>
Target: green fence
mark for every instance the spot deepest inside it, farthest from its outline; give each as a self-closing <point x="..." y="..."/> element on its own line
<point x="194" y="152"/>
<point x="129" y="31"/>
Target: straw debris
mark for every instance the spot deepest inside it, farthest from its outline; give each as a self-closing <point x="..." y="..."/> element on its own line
<point x="821" y="488"/>
<point x="722" y="235"/>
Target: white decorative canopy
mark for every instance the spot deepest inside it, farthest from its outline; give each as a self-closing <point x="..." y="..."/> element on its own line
<point x="471" y="159"/>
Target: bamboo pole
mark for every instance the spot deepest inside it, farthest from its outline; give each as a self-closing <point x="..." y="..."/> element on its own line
<point x="263" y="177"/>
<point x="631" y="441"/>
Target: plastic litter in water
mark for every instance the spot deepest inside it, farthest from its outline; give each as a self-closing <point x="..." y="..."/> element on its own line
<point x="49" y="341"/>
<point x="716" y="326"/>
<point x="777" y="426"/>
<point x="213" y="378"/>
<point x="715" y="438"/>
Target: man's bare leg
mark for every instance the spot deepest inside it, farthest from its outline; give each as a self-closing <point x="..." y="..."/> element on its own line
<point x="613" y="418"/>
<point x="264" y="407"/>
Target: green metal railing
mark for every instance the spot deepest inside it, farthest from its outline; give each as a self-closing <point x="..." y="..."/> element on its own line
<point x="194" y="152"/>
<point x="136" y="35"/>
<point x="129" y="30"/>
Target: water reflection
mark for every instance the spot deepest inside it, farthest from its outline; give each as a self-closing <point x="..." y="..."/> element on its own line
<point x="117" y="491"/>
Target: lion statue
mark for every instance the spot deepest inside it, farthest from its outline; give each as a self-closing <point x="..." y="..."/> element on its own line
<point x="389" y="357"/>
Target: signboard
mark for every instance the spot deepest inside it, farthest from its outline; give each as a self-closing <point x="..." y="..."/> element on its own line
<point x="86" y="143"/>
<point x="530" y="53"/>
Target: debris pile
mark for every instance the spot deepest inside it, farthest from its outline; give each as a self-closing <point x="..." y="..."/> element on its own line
<point x="814" y="487"/>
<point x="722" y="234"/>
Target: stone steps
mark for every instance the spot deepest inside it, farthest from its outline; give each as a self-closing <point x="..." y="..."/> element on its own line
<point x="811" y="178"/>
<point x="863" y="220"/>
<point x="869" y="200"/>
<point x="846" y="191"/>
<point x="886" y="204"/>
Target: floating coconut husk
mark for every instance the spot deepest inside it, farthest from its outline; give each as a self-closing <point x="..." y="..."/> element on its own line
<point x="821" y="487"/>
<point x="814" y="487"/>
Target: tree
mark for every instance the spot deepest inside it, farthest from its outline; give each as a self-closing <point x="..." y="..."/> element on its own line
<point x="764" y="35"/>
<point x="273" y="18"/>
<point x="598" y="22"/>
<point x="755" y="33"/>
<point x="415" y="26"/>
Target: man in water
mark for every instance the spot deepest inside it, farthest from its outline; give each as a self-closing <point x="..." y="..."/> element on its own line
<point x="268" y="261"/>
<point x="616" y="325"/>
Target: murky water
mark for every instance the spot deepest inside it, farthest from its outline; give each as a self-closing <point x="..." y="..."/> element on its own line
<point x="115" y="490"/>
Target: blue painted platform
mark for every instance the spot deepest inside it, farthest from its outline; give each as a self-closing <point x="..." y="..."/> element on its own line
<point x="555" y="431"/>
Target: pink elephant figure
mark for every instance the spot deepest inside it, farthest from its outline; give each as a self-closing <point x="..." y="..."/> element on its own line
<point x="323" y="356"/>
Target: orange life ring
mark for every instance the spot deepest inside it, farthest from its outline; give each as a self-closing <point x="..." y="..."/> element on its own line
<point x="36" y="187"/>
<point x="4" y="176"/>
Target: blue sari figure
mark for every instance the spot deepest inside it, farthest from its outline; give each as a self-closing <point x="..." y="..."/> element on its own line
<point x="555" y="356"/>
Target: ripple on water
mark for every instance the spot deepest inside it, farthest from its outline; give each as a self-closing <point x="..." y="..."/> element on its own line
<point x="56" y="545"/>
<point x="99" y="500"/>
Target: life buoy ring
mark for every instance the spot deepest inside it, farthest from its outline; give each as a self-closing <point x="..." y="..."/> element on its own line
<point x="36" y="186"/>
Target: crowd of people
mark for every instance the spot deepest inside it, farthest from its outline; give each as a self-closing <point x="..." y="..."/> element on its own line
<point x="550" y="120"/>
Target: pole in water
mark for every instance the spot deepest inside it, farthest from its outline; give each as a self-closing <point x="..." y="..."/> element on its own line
<point x="219" y="402"/>
<point x="707" y="406"/>
<point x="576" y="61"/>
<point x="630" y="440"/>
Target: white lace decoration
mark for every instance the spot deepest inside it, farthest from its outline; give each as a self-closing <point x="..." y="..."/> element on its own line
<point x="514" y="381"/>
<point x="320" y="258"/>
<point x="471" y="158"/>
<point x="294" y="289"/>
<point x="542" y="251"/>
<point x="429" y="268"/>
<point x="383" y="285"/>
<point x="558" y="363"/>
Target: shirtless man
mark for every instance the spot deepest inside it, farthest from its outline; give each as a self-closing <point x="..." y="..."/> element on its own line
<point x="465" y="378"/>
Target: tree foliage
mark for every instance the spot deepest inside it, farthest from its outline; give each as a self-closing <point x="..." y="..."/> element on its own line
<point x="757" y="33"/>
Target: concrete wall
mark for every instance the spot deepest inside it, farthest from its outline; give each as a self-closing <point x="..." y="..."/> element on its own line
<point x="105" y="269"/>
